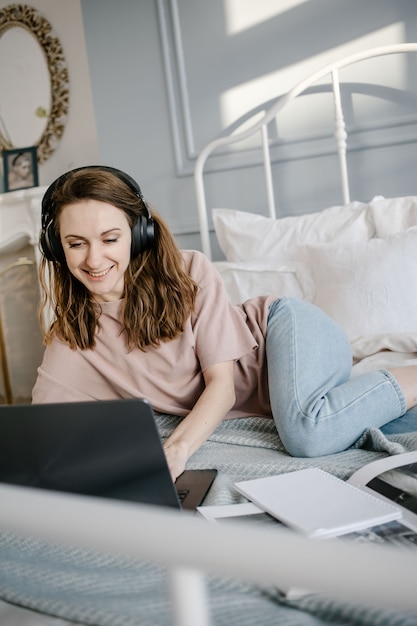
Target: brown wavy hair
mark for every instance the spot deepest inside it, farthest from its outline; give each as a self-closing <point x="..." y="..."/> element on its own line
<point x="159" y="294"/>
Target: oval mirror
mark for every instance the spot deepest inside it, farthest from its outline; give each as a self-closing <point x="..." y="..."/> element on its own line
<point x="24" y="70"/>
<point x="34" y="106"/>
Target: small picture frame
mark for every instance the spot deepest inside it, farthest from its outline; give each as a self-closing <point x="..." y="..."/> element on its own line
<point x="20" y="168"/>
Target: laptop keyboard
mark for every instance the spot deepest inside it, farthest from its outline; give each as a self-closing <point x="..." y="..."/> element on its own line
<point x="182" y="494"/>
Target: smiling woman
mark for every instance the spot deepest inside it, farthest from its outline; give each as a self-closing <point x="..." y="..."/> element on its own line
<point x="96" y="240"/>
<point x="135" y="316"/>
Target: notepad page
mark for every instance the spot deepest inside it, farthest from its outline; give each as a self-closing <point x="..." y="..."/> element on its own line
<point x="317" y="503"/>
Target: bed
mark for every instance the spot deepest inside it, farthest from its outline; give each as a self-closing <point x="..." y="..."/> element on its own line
<point x="66" y="559"/>
<point x="344" y="257"/>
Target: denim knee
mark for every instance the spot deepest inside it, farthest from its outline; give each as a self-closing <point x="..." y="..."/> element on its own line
<point x="301" y="439"/>
<point x="317" y="406"/>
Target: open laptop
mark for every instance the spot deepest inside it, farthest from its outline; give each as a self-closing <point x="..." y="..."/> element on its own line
<point x="106" y="448"/>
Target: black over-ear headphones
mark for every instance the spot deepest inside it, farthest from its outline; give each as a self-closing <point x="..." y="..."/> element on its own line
<point x="143" y="231"/>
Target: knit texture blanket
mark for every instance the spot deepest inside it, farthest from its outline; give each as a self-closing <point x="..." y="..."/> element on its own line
<point x="101" y="590"/>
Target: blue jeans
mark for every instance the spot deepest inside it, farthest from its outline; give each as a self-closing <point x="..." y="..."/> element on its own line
<point x="317" y="407"/>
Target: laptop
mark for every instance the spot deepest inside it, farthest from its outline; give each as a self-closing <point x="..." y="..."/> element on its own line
<point x="109" y="449"/>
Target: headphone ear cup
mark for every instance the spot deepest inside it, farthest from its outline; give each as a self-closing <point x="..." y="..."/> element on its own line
<point x="50" y="245"/>
<point x="143" y="232"/>
<point x="143" y="235"/>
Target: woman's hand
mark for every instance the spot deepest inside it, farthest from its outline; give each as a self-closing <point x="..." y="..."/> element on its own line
<point x="216" y="400"/>
<point x="177" y="456"/>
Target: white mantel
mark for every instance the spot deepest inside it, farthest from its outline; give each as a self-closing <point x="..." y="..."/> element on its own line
<point x="20" y="220"/>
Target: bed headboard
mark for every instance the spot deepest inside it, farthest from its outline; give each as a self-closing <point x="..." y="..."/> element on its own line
<point x="269" y="112"/>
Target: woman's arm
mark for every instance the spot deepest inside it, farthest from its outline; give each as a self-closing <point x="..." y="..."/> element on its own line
<point x="216" y="400"/>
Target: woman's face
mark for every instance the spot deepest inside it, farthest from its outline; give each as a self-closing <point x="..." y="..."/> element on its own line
<point x="96" y="238"/>
<point x="23" y="168"/>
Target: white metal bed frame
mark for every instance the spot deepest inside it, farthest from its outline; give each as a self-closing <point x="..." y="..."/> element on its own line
<point x="261" y="126"/>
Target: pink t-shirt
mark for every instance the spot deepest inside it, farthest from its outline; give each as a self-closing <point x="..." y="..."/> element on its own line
<point x="170" y="376"/>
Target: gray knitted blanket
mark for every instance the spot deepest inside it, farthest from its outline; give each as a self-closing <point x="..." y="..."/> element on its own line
<point x="101" y="590"/>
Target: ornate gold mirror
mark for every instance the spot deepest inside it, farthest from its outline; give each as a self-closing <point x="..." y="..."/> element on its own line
<point x="24" y="31"/>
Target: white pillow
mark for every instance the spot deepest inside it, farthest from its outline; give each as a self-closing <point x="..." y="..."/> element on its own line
<point x="249" y="237"/>
<point x="369" y="288"/>
<point x="247" y="280"/>
<point x="393" y="215"/>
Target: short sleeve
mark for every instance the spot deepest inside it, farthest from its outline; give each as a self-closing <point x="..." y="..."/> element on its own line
<point x="220" y="329"/>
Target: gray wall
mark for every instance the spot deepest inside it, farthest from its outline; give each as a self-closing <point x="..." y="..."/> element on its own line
<point x="162" y="70"/>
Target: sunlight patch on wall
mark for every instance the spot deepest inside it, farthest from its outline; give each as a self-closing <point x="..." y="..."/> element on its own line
<point x="241" y="15"/>
<point x="238" y="100"/>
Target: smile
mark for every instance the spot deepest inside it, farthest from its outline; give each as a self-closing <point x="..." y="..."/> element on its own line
<point x="98" y="274"/>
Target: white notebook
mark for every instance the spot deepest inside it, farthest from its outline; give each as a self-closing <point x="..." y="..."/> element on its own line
<point x="317" y="503"/>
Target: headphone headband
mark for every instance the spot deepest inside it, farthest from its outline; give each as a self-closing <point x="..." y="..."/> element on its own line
<point x="143" y="231"/>
<point x="47" y="204"/>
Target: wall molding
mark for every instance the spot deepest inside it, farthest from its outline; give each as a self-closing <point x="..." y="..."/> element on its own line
<point x="177" y="86"/>
<point x="364" y="136"/>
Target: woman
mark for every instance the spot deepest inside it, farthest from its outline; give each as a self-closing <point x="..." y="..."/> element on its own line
<point x="133" y="316"/>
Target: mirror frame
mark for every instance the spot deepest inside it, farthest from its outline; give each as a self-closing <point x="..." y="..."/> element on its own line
<point x="24" y="16"/>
